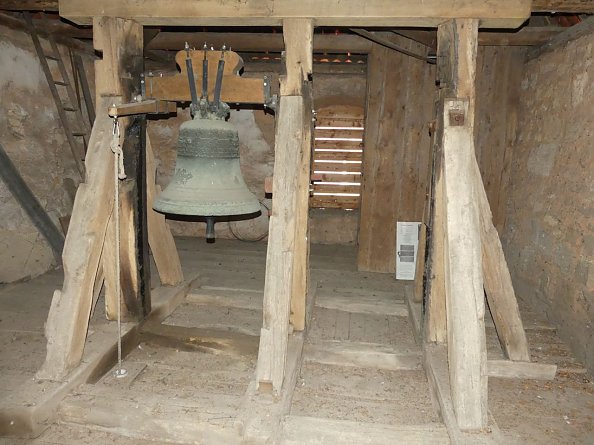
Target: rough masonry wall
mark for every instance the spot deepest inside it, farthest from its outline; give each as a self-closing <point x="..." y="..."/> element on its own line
<point x="32" y="135"/>
<point x="549" y="234"/>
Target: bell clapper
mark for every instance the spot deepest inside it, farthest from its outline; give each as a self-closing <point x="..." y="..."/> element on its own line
<point x="210" y="230"/>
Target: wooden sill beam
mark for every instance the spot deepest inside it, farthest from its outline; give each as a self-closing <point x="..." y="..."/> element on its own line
<point x="430" y="13"/>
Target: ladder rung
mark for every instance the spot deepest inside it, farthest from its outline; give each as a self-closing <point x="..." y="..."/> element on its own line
<point x="70" y="109"/>
<point x="79" y="133"/>
<point x="61" y="82"/>
<point x="47" y="56"/>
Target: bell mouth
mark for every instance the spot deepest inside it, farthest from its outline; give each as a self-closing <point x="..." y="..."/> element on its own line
<point x="211" y="220"/>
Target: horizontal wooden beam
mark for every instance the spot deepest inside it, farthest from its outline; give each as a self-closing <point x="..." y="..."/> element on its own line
<point x="575" y="6"/>
<point x="29" y="5"/>
<point x="527" y="36"/>
<point x="150" y="106"/>
<point x="338" y="43"/>
<point x="429" y="13"/>
<point x="249" y="41"/>
<point x="19" y="25"/>
<point x="508" y="369"/>
<point x="235" y="89"/>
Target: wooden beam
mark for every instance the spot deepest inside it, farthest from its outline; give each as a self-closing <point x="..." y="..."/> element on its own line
<point x="159" y="235"/>
<point x="574" y="32"/>
<point x="497" y="281"/>
<point x="467" y="353"/>
<point x="150" y="106"/>
<point x="287" y="256"/>
<point x="507" y="369"/>
<point x="248" y="41"/>
<point x="298" y="35"/>
<point x="339" y="43"/>
<point x="569" y="6"/>
<point x="68" y="318"/>
<point x="462" y="260"/>
<point x="430" y="13"/>
<point x="235" y="89"/>
<point x="30" y="204"/>
<point x="14" y="23"/>
<point x="362" y="355"/>
<point x="526" y="36"/>
<point x="118" y="74"/>
<point x="29" y="5"/>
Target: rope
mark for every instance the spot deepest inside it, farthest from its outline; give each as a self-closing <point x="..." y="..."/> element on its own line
<point x="118" y="173"/>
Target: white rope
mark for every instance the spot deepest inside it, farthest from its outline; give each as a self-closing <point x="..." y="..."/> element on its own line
<point x="118" y="173"/>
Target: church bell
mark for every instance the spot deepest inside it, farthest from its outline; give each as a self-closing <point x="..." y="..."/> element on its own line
<point x="207" y="181"/>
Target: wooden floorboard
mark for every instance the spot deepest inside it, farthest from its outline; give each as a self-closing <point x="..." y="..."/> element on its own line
<point x="303" y="430"/>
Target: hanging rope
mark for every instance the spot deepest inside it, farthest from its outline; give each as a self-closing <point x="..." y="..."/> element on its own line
<point x="118" y="173"/>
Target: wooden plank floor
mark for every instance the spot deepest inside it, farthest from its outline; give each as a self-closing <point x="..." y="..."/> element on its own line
<point x="360" y="381"/>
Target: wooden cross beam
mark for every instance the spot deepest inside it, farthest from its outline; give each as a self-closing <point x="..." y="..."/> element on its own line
<point x="429" y="13"/>
<point x="235" y="89"/>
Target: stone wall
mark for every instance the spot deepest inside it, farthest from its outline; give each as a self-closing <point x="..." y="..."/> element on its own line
<point x="32" y="135"/>
<point x="549" y="233"/>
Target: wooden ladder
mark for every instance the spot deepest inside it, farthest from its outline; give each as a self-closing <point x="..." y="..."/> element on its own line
<point x="77" y="134"/>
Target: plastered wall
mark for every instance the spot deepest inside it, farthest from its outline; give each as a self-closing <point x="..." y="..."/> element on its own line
<point x="549" y="233"/>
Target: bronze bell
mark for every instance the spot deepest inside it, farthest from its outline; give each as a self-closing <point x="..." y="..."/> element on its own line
<point x="207" y="181"/>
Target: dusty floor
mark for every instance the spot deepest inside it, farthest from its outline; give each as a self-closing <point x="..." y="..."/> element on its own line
<point x="177" y="376"/>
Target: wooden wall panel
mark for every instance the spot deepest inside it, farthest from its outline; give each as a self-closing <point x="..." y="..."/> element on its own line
<point x="396" y="158"/>
<point x="499" y="71"/>
<point x="400" y="94"/>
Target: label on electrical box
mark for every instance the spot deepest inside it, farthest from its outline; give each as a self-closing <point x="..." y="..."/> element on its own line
<point x="407" y="245"/>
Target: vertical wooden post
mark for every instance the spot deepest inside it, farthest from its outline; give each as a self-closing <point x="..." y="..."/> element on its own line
<point x="118" y="74"/>
<point x="286" y="260"/>
<point x="462" y="265"/>
<point x="465" y="302"/>
<point x="298" y="35"/>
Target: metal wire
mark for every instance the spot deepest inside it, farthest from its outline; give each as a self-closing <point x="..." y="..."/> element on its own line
<point x="118" y="173"/>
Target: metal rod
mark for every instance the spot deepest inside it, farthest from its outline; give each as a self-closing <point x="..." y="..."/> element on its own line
<point x="384" y="42"/>
<point x="25" y="197"/>
<point x="219" y="82"/>
<point x="191" y="79"/>
<point x="205" y="74"/>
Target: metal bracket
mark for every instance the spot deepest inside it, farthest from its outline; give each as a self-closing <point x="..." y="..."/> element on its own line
<point x="270" y="100"/>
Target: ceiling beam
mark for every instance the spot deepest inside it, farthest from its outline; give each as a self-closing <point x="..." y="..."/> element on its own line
<point x="429" y="13"/>
<point x="336" y="43"/>
<point x="569" y="6"/>
<point x="257" y="42"/>
<point x="29" y="5"/>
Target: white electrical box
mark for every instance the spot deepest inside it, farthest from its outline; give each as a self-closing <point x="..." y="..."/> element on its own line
<point x="407" y="246"/>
